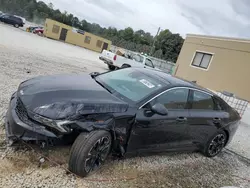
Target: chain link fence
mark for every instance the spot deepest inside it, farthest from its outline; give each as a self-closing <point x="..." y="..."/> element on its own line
<point x="164" y="65"/>
<point x="240" y="105"/>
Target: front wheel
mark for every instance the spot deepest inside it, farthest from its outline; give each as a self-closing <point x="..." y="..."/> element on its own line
<point x="89" y="152"/>
<point x="16" y="26"/>
<point x="215" y="145"/>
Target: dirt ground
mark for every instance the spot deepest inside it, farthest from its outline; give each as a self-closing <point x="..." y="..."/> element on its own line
<point x="24" y="55"/>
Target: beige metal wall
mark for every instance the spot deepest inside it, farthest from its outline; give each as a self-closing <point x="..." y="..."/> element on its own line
<point x="229" y="69"/>
<point x="49" y="26"/>
<point x="73" y="37"/>
<point x="79" y="40"/>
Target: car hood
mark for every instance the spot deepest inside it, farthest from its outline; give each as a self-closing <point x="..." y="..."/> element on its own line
<point x="67" y="96"/>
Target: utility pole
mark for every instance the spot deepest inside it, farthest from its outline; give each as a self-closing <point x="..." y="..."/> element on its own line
<point x="73" y="20"/>
<point x="152" y="47"/>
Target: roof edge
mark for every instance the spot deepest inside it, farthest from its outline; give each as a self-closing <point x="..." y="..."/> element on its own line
<point x="245" y="40"/>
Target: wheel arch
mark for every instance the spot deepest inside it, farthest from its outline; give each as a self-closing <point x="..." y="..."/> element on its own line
<point x="228" y="135"/>
<point x="89" y="127"/>
<point x="125" y="64"/>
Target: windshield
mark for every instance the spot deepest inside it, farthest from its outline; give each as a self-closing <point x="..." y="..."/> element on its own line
<point x="130" y="83"/>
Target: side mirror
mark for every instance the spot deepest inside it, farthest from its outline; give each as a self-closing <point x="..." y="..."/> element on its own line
<point x="159" y="109"/>
<point x="94" y="74"/>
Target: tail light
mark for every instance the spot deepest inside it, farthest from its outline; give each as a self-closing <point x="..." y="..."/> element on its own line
<point x="115" y="57"/>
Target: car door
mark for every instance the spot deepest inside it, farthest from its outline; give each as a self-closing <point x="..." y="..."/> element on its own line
<point x="206" y="117"/>
<point x="10" y="20"/>
<point x="17" y="21"/>
<point x="154" y="132"/>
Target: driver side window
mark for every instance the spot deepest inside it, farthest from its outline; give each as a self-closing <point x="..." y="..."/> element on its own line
<point x="174" y="99"/>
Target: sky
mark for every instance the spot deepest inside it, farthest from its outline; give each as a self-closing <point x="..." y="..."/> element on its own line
<point x="214" y="17"/>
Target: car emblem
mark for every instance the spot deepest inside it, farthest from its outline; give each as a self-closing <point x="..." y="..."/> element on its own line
<point x="21" y="92"/>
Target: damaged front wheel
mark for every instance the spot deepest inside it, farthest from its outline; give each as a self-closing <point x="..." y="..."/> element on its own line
<point x="89" y="152"/>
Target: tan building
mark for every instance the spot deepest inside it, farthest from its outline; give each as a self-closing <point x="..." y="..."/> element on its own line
<point x="220" y="64"/>
<point x="60" y="31"/>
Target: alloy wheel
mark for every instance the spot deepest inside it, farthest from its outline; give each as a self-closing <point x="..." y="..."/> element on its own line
<point x="97" y="154"/>
<point x="216" y="144"/>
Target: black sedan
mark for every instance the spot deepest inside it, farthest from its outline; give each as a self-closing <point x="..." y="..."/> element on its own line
<point x="12" y="20"/>
<point x="127" y="111"/>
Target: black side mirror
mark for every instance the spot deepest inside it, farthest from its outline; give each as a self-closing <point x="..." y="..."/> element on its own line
<point x="94" y="74"/>
<point x="159" y="109"/>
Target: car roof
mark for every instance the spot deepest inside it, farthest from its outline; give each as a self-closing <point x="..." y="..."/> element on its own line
<point x="172" y="81"/>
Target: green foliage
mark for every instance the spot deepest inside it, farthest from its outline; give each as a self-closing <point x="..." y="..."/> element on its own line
<point x="167" y="45"/>
<point x="170" y="44"/>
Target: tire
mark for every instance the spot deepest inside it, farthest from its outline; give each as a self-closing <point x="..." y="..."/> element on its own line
<point x="125" y="66"/>
<point x="16" y="26"/>
<point x="111" y="67"/>
<point x="86" y="155"/>
<point x="221" y="138"/>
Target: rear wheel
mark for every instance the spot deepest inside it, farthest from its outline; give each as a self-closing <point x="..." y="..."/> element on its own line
<point x="89" y="152"/>
<point x="215" y="144"/>
<point x="16" y="26"/>
<point x="125" y="66"/>
<point x="111" y="67"/>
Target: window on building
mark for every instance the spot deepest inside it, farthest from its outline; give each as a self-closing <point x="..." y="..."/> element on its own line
<point x="99" y="43"/>
<point x="202" y="101"/>
<point x="174" y="99"/>
<point x="55" y="29"/>
<point x="202" y="60"/>
<point x="87" y="39"/>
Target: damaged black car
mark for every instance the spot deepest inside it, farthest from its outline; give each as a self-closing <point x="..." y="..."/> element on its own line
<point x="127" y="111"/>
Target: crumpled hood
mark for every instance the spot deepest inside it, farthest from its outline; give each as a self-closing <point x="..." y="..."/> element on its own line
<point x="67" y="96"/>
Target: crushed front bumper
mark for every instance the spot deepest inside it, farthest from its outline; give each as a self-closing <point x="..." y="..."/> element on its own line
<point x="27" y="129"/>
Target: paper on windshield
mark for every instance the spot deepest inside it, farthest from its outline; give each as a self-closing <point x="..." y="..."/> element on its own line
<point x="147" y="83"/>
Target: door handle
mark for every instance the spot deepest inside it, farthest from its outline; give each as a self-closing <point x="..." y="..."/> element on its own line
<point x="181" y="119"/>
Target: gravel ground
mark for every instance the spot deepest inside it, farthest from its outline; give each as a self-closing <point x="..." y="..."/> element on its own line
<point x="24" y="55"/>
<point x="241" y="141"/>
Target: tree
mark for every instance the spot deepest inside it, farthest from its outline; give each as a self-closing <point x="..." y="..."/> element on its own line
<point x="170" y="44"/>
<point x="128" y="34"/>
<point x="84" y="25"/>
<point x="51" y="6"/>
<point x="158" y="54"/>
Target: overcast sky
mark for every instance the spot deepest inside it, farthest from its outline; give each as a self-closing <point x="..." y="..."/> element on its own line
<point x="213" y="17"/>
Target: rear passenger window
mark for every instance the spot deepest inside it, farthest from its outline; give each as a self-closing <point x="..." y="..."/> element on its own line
<point x="17" y="19"/>
<point x="138" y="58"/>
<point x="202" y="101"/>
<point x="218" y="105"/>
